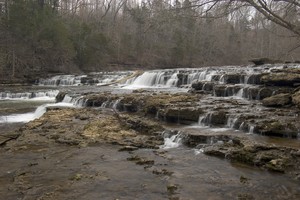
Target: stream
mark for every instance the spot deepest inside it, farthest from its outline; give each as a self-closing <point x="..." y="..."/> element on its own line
<point x="179" y="171"/>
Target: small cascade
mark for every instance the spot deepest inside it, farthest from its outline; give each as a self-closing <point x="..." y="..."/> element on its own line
<point x="205" y="121"/>
<point x="172" y="141"/>
<point x="105" y="104"/>
<point x="40" y="95"/>
<point x="99" y="78"/>
<point x="242" y="126"/>
<point x="172" y="82"/>
<point x="231" y="122"/>
<point x="222" y="79"/>
<point x="147" y="79"/>
<point x="62" y="80"/>
<point x="27" y="117"/>
<point x="154" y="79"/>
<point x="240" y="93"/>
<point x="251" y="129"/>
<point x="115" y="104"/>
<point x="76" y="101"/>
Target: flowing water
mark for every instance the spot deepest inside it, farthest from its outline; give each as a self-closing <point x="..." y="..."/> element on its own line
<point x="194" y="175"/>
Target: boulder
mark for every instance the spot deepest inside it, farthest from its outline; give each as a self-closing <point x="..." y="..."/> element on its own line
<point x="277" y="100"/>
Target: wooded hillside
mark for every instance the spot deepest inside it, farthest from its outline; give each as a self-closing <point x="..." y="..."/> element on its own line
<point x="38" y="37"/>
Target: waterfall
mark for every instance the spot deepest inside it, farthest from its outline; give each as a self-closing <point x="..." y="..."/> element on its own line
<point x="62" y="80"/>
<point x="172" y="141"/>
<point x="231" y="122"/>
<point x="76" y="101"/>
<point x="251" y="129"/>
<point x="27" y="117"/>
<point x="39" y="95"/>
<point x="172" y="82"/>
<point x="205" y="121"/>
<point x="240" y="93"/>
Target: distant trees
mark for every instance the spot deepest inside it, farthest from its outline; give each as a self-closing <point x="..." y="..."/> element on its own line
<point x="41" y="36"/>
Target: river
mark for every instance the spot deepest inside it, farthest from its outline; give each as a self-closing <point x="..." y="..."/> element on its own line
<point x="178" y="172"/>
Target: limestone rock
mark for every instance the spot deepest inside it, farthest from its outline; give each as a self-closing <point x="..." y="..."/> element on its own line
<point x="296" y="98"/>
<point x="60" y="96"/>
<point x="281" y="79"/>
<point x="276" y="128"/>
<point x="277" y="100"/>
<point x="182" y="114"/>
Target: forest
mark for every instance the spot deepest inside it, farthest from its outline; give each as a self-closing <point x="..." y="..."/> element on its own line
<point x="38" y="37"/>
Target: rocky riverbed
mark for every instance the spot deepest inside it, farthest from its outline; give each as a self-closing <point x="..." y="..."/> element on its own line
<point x="120" y="145"/>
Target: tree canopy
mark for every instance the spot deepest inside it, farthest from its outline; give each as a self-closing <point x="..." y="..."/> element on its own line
<point x="42" y="36"/>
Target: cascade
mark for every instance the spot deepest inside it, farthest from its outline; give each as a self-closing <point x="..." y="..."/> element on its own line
<point x="76" y="101"/>
<point x="240" y="93"/>
<point x="40" y="95"/>
<point x="231" y="121"/>
<point x="27" y="117"/>
<point x="115" y="104"/>
<point x="172" y="141"/>
<point x="62" y="80"/>
<point x="251" y="129"/>
<point x="205" y="121"/>
<point x="172" y="82"/>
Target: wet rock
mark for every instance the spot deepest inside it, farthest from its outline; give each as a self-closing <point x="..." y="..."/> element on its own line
<point x="231" y="90"/>
<point x="142" y="125"/>
<point x="60" y="96"/>
<point x="277" y="100"/>
<point x="141" y="161"/>
<point x="182" y="79"/>
<point x="128" y="148"/>
<point x="251" y="93"/>
<point x="218" y="118"/>
<point x="187" y="115"/>
<point x="273" y="158"/>
<point x="131" y="103"/>
<point x="88" y="80"/>
<point x="220" y="90"/>
<point x="154" y="103"/>
<point x="172" y="188"/>
<point x="264" y="93"/>
<point x="162" y="172"/>
<point x="108" y="129"/>
<point x="233" y="78"/>
<point x="254" y="79"/>
<point x="96" y="100"/>
<point x="281" y="79"/>
<point x="276" y="128"/>
<point x="278" y="165"/>
<point x="203" y="85"/>
<point x="296" y="98"/>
